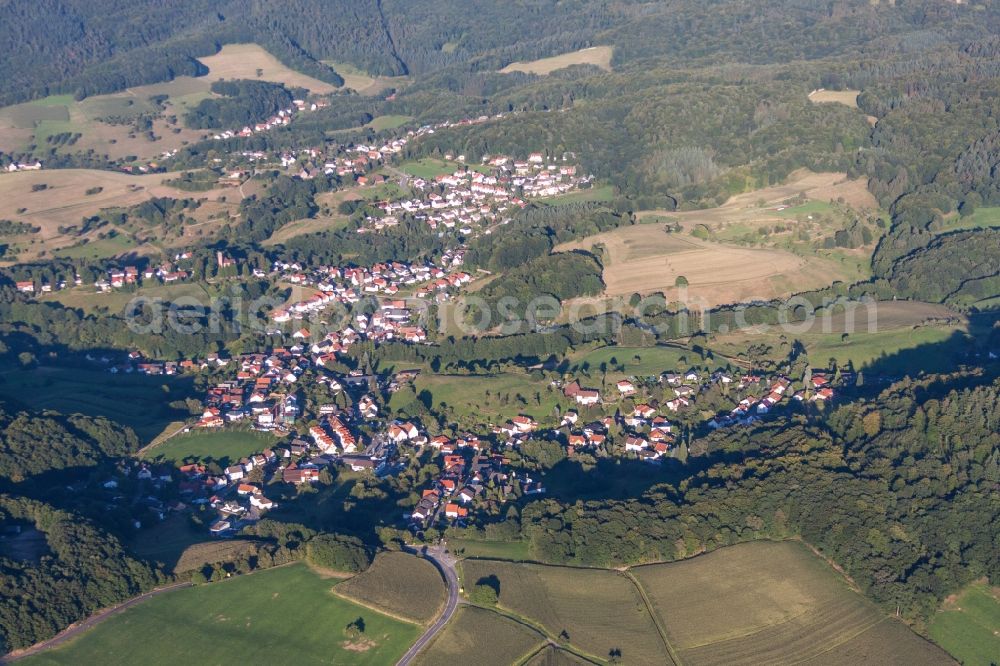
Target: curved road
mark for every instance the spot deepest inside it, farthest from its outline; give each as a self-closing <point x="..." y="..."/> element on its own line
<point x="74" y="630"/>
<point x="446" y="565"/>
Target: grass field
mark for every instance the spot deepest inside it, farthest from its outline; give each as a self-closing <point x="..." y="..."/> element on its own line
<point x="135" y="401"/>
<point x="501" y="550"/>
<point x="241" y="61"/>
<point x="968" y="625"/>
<point x="907" y="334"/>
<point x="181" y="547"/>
<point x="634" y="361"/>
<point x="89" y="299"/>
<point x="494" y="640"/>
<point x="105" y="123"/>
<point x="485" y="397"/>
<point x="599" y="610"/>
<point x="430" y="167"/>
<point x="595" y="55"/>
<point x="981" y="218"/>
<point x="601" y="193"/>
<point x="399" y="584"/>
<point x="281" y="615"/>
<point x="388" y="122"/>
<point x="362" y="82"/>
<point x="769" y="602"/>
<point x="222" y="446"/>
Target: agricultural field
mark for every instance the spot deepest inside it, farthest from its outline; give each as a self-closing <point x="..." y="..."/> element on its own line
<point x="595" y="55"/>
<point x="136" y="401"/>
<point x="257" y="618"/>
<point x="551" y="655"/>
<point x="645" y="259"/>
<point x="222" y="446"/>
<point x="242" y="61"/>
<point x="757" y="245"/>
<point x="64" y="202"/>
<point x="495" y="640"/>
<point x="845" y="97"/>
<point x="400" y="585"/>
<point x="968" y="625"/>
<point x="775" y="603"/>
<point x="848" y="98"/>
<point x="599" y="610"/>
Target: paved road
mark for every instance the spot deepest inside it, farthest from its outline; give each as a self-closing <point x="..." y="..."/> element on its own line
<point x="74" y="630"/>
<point x="446" y="565"/>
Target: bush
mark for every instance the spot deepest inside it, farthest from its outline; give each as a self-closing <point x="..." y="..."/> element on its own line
<point x="338" y="552"/>
<point x="486" y="591"/>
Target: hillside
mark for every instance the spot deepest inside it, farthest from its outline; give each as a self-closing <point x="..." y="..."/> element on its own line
<point x="687" y="314"/>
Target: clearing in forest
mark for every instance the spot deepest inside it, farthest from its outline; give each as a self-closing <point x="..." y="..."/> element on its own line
<point x="594" y="55"/>
<point x="242" y="61"/>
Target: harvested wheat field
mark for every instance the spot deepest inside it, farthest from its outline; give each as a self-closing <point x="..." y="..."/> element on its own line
<point x="398" y="584"/>
<point x="773" y="603"/>
<point x="595" y="55"/>
<point x="646" y="259"/>
<point x="576" y="604"/>
<point x="495" y="640"/>
<point x="845" y="97"/>
<point x="241" y="61"/>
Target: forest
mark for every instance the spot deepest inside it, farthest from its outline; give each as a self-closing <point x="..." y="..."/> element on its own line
<point x="243" y="103"/>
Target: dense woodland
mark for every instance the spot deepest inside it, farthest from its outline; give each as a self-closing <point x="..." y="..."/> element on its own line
<point x="897" y="485"/>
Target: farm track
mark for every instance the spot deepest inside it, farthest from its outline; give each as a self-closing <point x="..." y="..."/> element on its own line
<point x="656" y="620"/>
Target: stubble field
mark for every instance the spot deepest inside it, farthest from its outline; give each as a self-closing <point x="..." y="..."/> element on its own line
<point x="400" y="585"/>
<point x="594" y="55"/>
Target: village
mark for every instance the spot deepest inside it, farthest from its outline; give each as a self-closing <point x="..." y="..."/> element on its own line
<point x="326" y="417"/>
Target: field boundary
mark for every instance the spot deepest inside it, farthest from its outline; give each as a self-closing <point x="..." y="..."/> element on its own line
<point x="374" y="608"/>
<point x="546" y="636"/>
<point x="656" y="620"/>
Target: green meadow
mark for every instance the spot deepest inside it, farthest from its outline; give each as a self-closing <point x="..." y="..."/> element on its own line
<point x="283" y="615"/>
